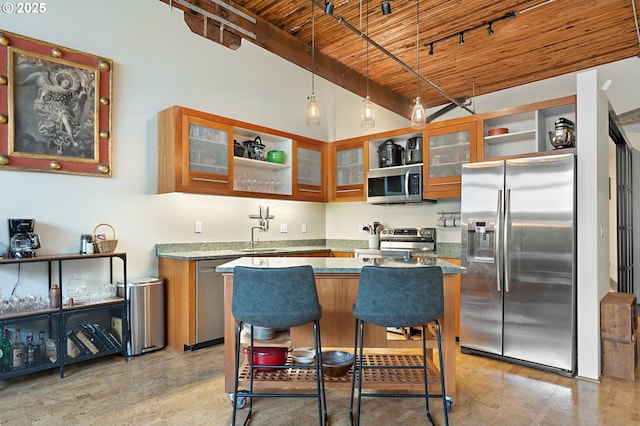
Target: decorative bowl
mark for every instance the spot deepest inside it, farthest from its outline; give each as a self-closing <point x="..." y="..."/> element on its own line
<point x="336" y="363"/>
<point x="498" y="131"/>
<point x="303" y="356"/>
<point x="275" y="156"/>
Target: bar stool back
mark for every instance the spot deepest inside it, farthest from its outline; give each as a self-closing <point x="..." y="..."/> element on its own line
<point x="398" y="297"/>
<point x="276" y="298"/>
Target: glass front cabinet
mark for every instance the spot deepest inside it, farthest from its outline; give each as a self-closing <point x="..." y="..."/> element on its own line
<point x="310" y="175"/>
<point x="449" y="145"/>
<point x="348" y="174"/>
<point x="194" y="153"/>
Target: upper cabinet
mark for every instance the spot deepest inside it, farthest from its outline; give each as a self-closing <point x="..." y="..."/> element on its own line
<point x="449" y="144"/>
<point x="522" y="130"/>
<point x="347" y="175"/>
<point x="310" y="170"/>
<point x="194" y="153"/>
<point x="208" y="154"/>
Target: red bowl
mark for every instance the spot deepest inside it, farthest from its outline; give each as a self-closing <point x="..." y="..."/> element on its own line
<point x="498" y="131"/>
<point x="267" y="356"/>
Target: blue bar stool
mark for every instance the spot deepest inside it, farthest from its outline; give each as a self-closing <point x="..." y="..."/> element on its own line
<point x="276" y="298"/>
<point x="398" y="297"/>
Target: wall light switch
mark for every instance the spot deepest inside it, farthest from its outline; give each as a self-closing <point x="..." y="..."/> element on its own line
<point x="197" y="227"/>
<point x="283" y="228"/>
<point x="304" y="228"/>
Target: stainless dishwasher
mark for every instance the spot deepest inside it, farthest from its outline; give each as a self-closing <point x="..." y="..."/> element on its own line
<point x="209" y="303"/>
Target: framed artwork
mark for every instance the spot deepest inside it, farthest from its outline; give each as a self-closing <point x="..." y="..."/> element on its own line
<point x="55" y="108"/>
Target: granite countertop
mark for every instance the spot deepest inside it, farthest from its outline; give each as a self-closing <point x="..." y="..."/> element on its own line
<point x="337" y="265"/>
<point x="231" y="250"/>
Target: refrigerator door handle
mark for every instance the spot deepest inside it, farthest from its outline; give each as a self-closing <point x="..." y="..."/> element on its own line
<point x="496" y="243"/>
<point x="507" y="206"/>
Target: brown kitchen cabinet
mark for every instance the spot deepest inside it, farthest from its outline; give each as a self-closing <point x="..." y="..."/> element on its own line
<point x="194" y="152"/>
<point x="348" y="169"/>
<point x="528" y="128"/>
<point x="196" y="155"/>
<point x="309" y="163"/>
<point x="448" y="145"/>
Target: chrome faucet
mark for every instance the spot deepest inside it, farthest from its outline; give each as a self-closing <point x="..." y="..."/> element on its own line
<point x="263" y="217"/>
<point x="254" y="242"/>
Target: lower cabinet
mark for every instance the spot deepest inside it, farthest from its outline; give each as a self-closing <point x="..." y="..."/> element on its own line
<point x="37" y="337"/>
<point x="194" y="302"/>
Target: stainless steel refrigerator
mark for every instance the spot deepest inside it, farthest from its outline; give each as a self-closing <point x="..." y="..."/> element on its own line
<point x="518" y="295"/>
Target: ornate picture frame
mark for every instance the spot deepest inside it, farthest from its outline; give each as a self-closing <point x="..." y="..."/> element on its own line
<point x="55" y="108"/>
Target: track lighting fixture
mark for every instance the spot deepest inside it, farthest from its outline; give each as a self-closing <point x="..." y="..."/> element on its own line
<point x="328" y="8"/>
<point x="486" y="24"/>
<point x="386" y="7"/>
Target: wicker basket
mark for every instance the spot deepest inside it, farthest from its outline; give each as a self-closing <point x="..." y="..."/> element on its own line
<point x="102" y="243"/>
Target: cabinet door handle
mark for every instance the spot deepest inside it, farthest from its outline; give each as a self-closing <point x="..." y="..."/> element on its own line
<point x="210" y="180"/>
<point x="309" y="190"/>
<point x="445" y="183"/>
<point x="348" y="190"/>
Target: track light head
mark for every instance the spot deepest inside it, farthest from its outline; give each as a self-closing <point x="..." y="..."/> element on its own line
<point x="386" y="7"/>
<point x="489" y="29"/>
<point x="462" y="38"/>
<point x="328" y="8"/>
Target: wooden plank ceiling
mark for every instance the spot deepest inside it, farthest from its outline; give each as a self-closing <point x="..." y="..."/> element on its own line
<point x="532" y="40"/>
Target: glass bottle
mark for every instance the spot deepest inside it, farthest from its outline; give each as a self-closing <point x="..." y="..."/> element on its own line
<point x="40" y="348"/>
<point x="18" y="352"/>
<point x="31" y="359"/>
<point x="5" y="351"/>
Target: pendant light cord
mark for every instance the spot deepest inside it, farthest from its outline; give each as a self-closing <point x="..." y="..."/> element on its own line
<point x="367" y="31"/>
<point x="418" y="44"/>
<point x="313" y="46"/>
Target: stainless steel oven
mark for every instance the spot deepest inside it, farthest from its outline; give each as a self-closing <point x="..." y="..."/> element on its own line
<point x="402" y="243"/>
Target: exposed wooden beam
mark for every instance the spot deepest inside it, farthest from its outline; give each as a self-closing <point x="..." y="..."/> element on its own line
<point x="282" y="44"/>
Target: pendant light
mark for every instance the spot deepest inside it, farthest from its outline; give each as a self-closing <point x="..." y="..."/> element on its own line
<point x="418" y="119"/>
<point x="367" y="119"/>
<point x="313" y="111"/>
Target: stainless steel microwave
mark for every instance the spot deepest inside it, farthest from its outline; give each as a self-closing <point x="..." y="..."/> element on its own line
<point x="395" y="185"/>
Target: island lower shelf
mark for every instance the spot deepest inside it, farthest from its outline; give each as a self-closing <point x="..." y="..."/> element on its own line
<point x="389" y="380"/>
<point x="337" y="293"/>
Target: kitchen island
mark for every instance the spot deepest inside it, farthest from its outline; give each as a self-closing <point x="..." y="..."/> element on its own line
<point x="337" y="284"/>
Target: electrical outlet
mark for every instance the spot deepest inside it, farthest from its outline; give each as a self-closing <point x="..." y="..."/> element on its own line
<point x="283" y="228"/>
<point x="197" y="227"/>
<point x="304" y="228"/>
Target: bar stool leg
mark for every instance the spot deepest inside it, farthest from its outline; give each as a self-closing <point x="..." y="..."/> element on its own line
<point x="424" y="372"/>
<point x="445" y="405"/>
<point x="237" y="370"/>
<point x="360" y="368"/>
<point x="355" y="369"/>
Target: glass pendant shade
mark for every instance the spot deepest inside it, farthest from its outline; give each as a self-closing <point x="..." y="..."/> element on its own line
<point x="313" y="112"/>
<point x="368" y="118"/>
<point x="418" y="118"/>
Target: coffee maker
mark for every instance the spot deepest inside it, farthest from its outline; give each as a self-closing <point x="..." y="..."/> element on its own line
<point x="23" y="242"/>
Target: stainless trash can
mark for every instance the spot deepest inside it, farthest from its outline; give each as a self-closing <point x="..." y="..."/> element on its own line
<point x="146" y="314"/>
